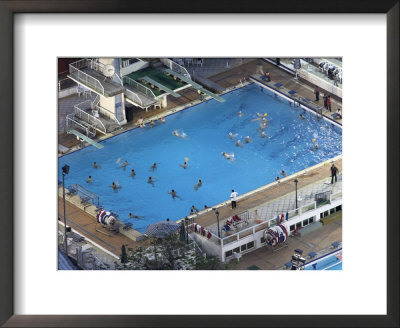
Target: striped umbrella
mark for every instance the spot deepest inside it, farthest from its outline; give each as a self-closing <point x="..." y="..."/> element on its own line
<point x="161" y="229"/>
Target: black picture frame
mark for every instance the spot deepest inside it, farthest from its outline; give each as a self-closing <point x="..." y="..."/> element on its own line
<point x="7" y="200"/>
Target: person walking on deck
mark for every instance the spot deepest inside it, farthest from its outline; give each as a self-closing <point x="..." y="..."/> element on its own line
<point x="334" y="172"/>
<point x="234" y="195"/>
<point x="316" y="91"/>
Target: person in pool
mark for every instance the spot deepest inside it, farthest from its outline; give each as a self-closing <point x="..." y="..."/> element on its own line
<point x="184" y="165"/>
<point x="284" y="173"/>
<point x="95" y="165"/>
<point x="151" y="180"/>
<point x="133" y="173"/>
<point x="229" y="156"/>
<point x="173" y="194"/>
<point x="198" y="185"/>
<point x="239" y="143"/>
<point x="124" y="164"/>
<point x="263" y="135"/>
<point x="179" y="135"/>
<point x="240" y="113"/>
<point x="154" y="166"/>
<point x="247" y="139"/>
<point x="162" y="119"/>
<point x="301" y="117"/>
<point x="231" y="135"/>
<point x="115" y="186"/>
<point x="133" y="216"/>
<point x="89" y="179"/>
<point x="194" y="208"/>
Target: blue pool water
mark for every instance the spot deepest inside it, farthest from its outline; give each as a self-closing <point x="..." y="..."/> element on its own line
<point x="207" y="125"/>
<point x="332" y="262"/>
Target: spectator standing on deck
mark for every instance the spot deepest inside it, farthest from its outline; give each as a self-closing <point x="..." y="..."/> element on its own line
<point x="316" y="91"/>
<point x="334" y="172"/>
<point x="325" y="101"/>
<point x="329" y="103"/>
<point x="234" y="195"/>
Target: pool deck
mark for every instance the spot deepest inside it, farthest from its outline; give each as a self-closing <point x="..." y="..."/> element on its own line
<point x="229" y="79"/>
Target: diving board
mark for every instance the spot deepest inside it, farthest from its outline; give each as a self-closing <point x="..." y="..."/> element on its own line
<point x="160" y="86"/>
<point x="85" y="138"/>
<point x="194" y="84"/>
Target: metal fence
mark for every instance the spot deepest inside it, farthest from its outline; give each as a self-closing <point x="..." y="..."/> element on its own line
<point x="75" y="70"/>
<point x="140" y="87"/>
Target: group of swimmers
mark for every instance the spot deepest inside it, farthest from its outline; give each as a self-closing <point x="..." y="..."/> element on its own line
<point x="140" y="122"/>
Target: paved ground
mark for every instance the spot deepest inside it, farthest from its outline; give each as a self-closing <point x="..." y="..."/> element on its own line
<point x="265" y="259"/>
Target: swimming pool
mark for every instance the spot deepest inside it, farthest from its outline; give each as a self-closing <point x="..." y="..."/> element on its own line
<point x="331" y="262"/>
<point x="288" y="146"/>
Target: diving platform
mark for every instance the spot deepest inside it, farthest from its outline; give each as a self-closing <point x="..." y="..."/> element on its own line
<point x="194" y="84"/>
<point x="85" y="138"/>
<point x="160" y="86"/>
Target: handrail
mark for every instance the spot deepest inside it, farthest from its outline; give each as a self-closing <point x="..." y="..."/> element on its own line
<point x="179" y="69"/>
<point x="75" y="72"/>
<point x="133" y="95"/>
<point x="118" y="78"/>
<point x="107" y="113"/>
<point x="139" y="87"/>
<point x="86" y="128"/>
<point x="79" y="112"/>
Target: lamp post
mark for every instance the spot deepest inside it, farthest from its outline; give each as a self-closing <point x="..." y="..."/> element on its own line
<point x="296" y="181"/>
<point x="65" y="170"/>
<point x="217" y="215"/>
<point x="187" y="230"/>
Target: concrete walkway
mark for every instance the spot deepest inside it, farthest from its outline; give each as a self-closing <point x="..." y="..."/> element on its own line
<point x="265" y="259"/>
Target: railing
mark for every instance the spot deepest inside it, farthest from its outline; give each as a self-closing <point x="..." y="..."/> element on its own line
<point x="95" y="101"/>
<point x="179" y="69"/>
<point x="107" y="113"/>
<point x="127" y="62"/>
<point x="71" y="124"/>
<point x="85" y="116"/>
<point x="119" y="79"/>
<point x="140" y="87"/>
<point x="131" y="95"/>
<point x="87" y="193"/>
<point x="76" y="73"/>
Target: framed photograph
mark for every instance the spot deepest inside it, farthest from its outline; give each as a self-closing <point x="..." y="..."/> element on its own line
<point x="189" y="82"/>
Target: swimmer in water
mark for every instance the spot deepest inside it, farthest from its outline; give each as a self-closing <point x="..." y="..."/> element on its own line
<point x="229" y="156"/>
<point x="180" y="135"/>
<point x="184" y="165"/>
<point x="239" y="143"/>
<point x="89" y="179"/>
<point x="154" y="166"/>
<point x="240" y="113"/>
<point x="277" y="179"/>
<point x="173" y="194"/>
<point x="133" y="216"/>
<point x="316" y="146"/>
<point x="115" y="186"/>
<point x="247" y="139"/>
<point x="231" y="135"/>
<point x="124" y="165"/>
<point x="263" y="135"/>
<point x="151" y="180"/>
<point x="195" y="209"/>
<point x="262" y="126"/>
<point x="140" y="122"/>
<point x="162" y="119"/>
<point x="301" y="117"/>
<point x="151" y="124"/>
<point x="198" y="185"/>
<point x="133" y="173"/>
<point x="284" y="173"/>
<point x="95" y="165"/>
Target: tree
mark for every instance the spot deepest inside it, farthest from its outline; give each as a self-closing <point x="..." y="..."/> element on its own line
<point x="172" y="253"/>
<point x="124" y="257"/>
